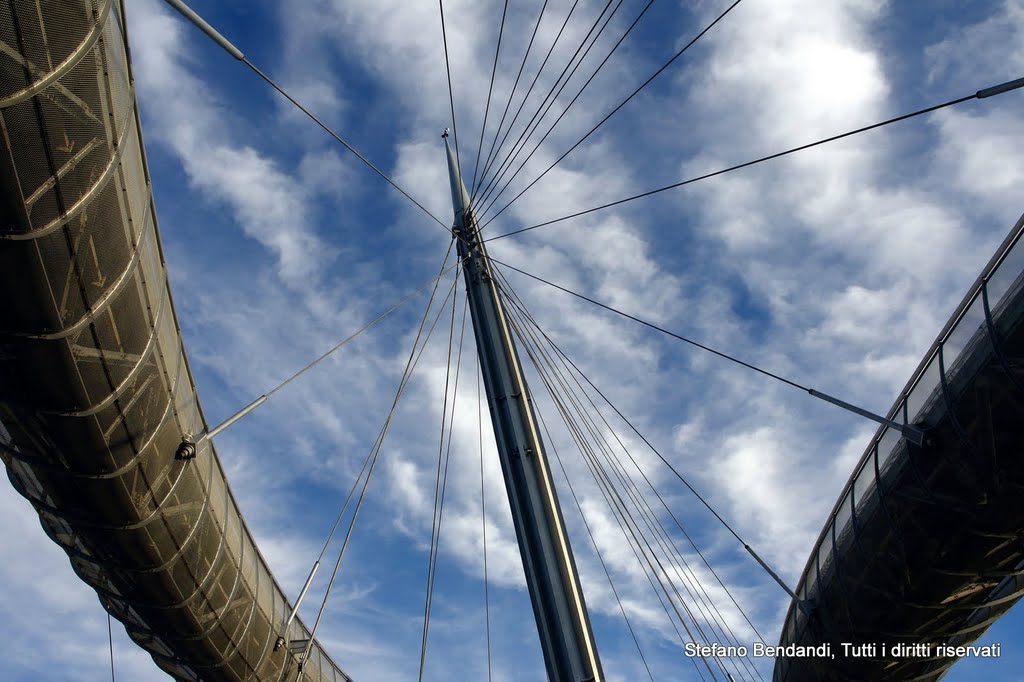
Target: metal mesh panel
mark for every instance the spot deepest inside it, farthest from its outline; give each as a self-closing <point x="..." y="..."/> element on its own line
<point x="61" y="143"/>
<point x="93" y="374"/>
<point x="33" y="44"/>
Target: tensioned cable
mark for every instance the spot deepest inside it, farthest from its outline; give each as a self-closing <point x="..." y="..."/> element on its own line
<point x="512" y="93"/>
<point x="704" y="600"/>
<point x="593" y="542"/>
<point x="373" y="449"/>
<point x="441" y="482"/>
<point x="348" y="498"/>
<point x="618" y="509"/>
<point x="230" y="48"/>
<point x="451" y="95"/>
<point x="980" y="94"/>
<point x="698" y="594"/>
<point x="110" y="641"/>
<point x="910" y="432"/>
<point x="570" y="105"/>
<point x="210" y="433"/>
<point x="366" y="463"/>
<point x="529" y="90"/>
<point x="490" y="91"/>
<point x="438" y="485"/>
<point x="375" y="452"/>
<point x="620" y="105"/>
<point x="617" y="506"/>
<point x="551" y="97"/>
<point x="566" y="410"/>
<point x="410" y="366"/>
<point x="620" y="505"/>
<point x="569" y="405"/>
<point x="518" y="304"/>
<point x="682" y="479"/>
<point x="483" y="517"/>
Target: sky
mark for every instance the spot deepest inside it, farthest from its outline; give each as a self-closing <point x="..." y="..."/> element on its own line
<point x="835" y="268"/>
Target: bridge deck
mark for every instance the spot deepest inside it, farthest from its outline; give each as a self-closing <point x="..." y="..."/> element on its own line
<point x="925" y="544"/>
<point x="95" y="386"/>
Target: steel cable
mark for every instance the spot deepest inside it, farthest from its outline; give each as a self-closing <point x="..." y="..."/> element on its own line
<point x="512" y="92"/>
<point x="410" y="366"/>
<point x="483" y="518"/>
<point x="980" y="94"/>
<point x="441" y="482"/>
<point x="620" y="105"/>
<point x="529" y="90"/>
<point x="569" y="106"/>
<point x="664" y="538"/>
<point x="550" y="98"/>
<point x="490" y="91"/>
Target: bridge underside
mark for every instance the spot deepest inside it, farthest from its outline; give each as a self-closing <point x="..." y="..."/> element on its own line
<point x="95" y="388"/>
<point x="926" y="544"/>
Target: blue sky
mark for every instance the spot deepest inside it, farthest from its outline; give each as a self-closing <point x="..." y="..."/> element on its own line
<point x="835" y="267"/>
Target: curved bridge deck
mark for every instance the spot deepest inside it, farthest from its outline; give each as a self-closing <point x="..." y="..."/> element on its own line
<point x="923" y="547"/>
<point x="926" y="544"/>
<point x="95" y="388"/>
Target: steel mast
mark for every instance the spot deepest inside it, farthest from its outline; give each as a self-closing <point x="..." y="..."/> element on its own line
<point x="570" y="652"/>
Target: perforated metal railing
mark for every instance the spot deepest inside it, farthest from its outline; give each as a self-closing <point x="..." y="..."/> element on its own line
<point x="95" y="386"/>
<point x="977" y="347"/>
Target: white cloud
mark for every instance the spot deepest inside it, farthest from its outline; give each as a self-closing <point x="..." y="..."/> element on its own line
<point x="834" y="267"/>
<point x="190" y="119"/>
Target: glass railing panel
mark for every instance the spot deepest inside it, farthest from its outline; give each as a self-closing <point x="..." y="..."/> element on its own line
<point x="864" y="483"/>
<point x="887" y="447"/>
<point x="923" y="390"/>
<point x="966" y="329"/>
<point x="1006" y="274"/>
<point x="843" y="514"/>
<point x="825" y="549"/>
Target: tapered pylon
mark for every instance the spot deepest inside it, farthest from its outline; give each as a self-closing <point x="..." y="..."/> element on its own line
<point x="566" y="637"/>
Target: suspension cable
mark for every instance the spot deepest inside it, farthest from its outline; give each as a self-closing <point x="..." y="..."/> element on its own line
<point x="529" y="90"/>
<point x="909" y="431"/>
<point x="620" y="105"/>
<point x="344" y="507"/>
<point x="980" y="94"/>
<point x="593" y="542"/>
<point x="512" y="92"/>
<point x="678" y="475"/>
<point x="441" y="482"/>
<point x="375" y="450"/>
<point x="451" y="96"/>
<point x="230" y="48"/>
<point x="558" y="120"/>
<point x="568" y="406"/>
<point x="566" y="361"/>
<point x="650" y="520"/>
<point x="483" y="517"/>
<point x="631" y="530"/>
<point x="704" y="601"/>
<point x="110" y="642"/>
<point x="490" y="91"/>
<point x="550" y="98"/>
<point x="191" y="444"/>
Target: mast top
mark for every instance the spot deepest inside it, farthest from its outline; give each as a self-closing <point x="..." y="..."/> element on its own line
<point x="460" y="197"/>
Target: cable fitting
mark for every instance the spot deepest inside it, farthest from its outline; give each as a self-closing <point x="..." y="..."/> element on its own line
<point x="187" y="449"/>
